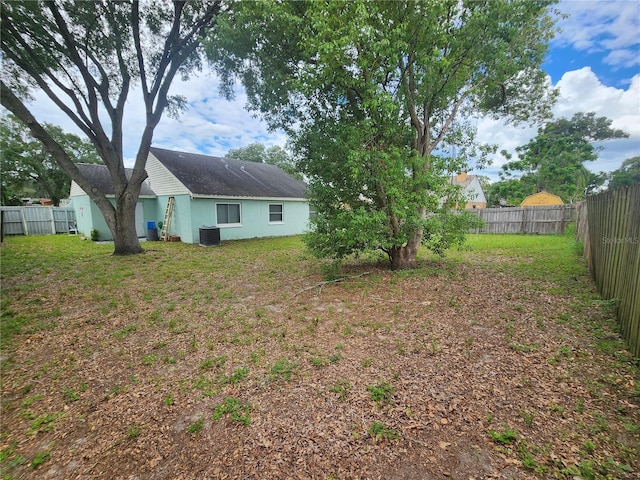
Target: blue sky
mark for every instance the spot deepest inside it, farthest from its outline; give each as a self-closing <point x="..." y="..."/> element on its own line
<point x="594" y="61"/>
<point x="603" y="35"/>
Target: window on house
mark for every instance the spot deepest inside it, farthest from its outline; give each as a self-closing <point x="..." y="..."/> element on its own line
<point x="276" y="213"/>
<point x="228" y="213"/>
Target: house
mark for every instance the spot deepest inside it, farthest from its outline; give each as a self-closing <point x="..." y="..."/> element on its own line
<point x="88" y="215"/>
<point x="541" y="199"/>
<point x="243" y="199"/>
<point x="472" y="190"/>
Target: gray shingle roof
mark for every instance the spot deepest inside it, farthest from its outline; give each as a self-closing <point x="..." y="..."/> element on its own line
<point x="99" y="176"/>
<point x="206" y="175"/>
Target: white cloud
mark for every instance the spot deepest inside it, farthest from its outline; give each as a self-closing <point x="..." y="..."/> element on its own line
<point x="595" y="26"/>
<point x="580" y="91"/>
<point x="210" y="125"/>
<point x="625" y="58"/>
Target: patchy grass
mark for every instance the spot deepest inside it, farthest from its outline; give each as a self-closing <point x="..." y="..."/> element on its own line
<point x="499" y="360"/>
<point x="506" y="436"/>
<point x="380" y="431"/>
<point x="381" y="393"/>
<point x="237" y="411"/>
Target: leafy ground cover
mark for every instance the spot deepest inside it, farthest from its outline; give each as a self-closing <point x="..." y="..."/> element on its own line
<point x="244" y="361"/>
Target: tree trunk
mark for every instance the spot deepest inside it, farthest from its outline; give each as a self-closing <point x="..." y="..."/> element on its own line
<point x="125" y="237"/>
<point x="404" y="257"/>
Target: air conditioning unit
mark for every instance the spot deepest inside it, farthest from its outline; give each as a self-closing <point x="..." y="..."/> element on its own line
<point x="209" y="236"/>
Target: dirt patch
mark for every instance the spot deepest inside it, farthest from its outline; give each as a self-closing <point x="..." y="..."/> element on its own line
<point x="461" y="355"/>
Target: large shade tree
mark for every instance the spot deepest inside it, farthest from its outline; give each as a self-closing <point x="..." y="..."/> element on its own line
<point x="28" y="169"/>
<point x="374" y="94"/>
<point x="554" y="160"/>
<point x="87" y="57"/>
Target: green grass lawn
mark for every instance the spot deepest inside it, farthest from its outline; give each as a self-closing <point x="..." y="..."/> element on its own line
<point x="551" y="258"/>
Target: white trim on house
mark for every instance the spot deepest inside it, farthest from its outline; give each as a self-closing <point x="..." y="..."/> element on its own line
<point x="281" y="213"/>
<point x="226" y="225"/>
<point x="231" y="197"/>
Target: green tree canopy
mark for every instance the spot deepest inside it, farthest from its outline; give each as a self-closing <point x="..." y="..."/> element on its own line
<point x="374" y="94"/>
<point x="254" y="152"/>
<point x="509" y="192"/>
<point x="86" y="57"/>
<point x="554" y="160"/>
<point x="627" y="174"/>
<point x="29" y="170"/>
<point x="275" y="155"/>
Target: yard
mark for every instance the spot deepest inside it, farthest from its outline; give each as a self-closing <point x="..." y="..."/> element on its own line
<point x="247" y="361"/>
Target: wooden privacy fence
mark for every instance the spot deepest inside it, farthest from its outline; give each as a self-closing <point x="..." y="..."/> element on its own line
<point x="609" y="227"/>
<point x="37" y="220"/>
<point x="543" y="219"/>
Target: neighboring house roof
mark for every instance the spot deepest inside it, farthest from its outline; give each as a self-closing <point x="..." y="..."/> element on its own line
<point x="540" y="199"/>
<point x="99" y="176"/>
<point x="204" y="175"/>
<point x="472" y="186"/>
<point x="464" y="179"/>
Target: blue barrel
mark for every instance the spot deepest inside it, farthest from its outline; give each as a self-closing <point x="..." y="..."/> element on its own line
<point x="152" y="232"/>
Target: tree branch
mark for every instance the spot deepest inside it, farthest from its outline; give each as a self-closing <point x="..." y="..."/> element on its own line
<point x="12" y="103"/>
<point x="451" y="117"/>
<point x="80" y="119"/>
<point x="175" y="53"/>
<point x="328" y="282"/>
<point x="112" y="158"/>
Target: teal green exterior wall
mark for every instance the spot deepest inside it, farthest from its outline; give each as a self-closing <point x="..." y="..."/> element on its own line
<point x="89" y="216"/>
<point x="189" y="215"/>
<point x="149" y="208"/>
<point x="254" y="218"/>
<point x="99" y="223"/>
<point x="181" y="220"/>
<point x="84" y="214"/>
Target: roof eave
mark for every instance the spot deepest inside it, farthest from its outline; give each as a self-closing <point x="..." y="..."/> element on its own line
<point x="111" y="195"/>
<point x="247" y="197"/>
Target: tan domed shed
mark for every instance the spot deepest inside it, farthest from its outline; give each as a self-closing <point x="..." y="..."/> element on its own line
<point x="541" y="199"/>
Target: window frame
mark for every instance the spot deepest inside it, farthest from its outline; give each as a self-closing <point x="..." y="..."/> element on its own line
<point x="281" y="213"/>
<point x="235" y="224"/>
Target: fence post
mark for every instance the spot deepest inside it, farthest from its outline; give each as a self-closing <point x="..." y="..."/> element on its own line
<point x="53" y="220"/>
<point x="24" y="221"/>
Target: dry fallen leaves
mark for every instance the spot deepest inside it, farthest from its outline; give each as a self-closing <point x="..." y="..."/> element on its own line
<point x="466" y="350"/>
